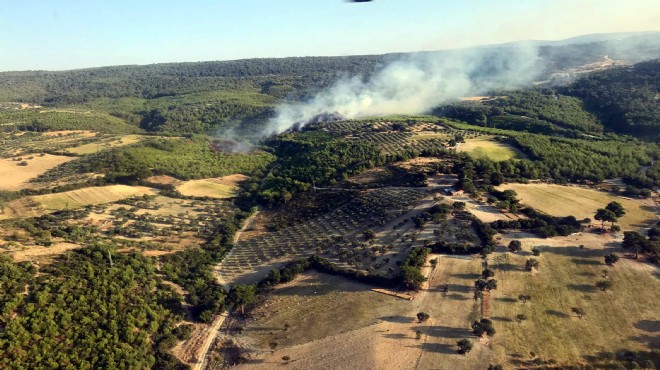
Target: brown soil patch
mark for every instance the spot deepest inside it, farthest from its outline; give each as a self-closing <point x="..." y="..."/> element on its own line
<point x="162" y="180"/>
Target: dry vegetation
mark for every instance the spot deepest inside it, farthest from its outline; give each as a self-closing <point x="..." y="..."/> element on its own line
<point x="559" y="200"/>
<point x="105" y="143"/>
<point x="18" y="171"/>
<point x="624" y="317"/>
<point x="219" y="187"/>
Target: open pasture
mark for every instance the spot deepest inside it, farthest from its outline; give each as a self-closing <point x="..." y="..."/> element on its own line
<point x="624" y="317"/>
<point x="106" y="143"/>
<point x="15" y="173"/>
<point x="486" y="147"/>
<point x="376" y="331"/>
<point x="560" y="200"/>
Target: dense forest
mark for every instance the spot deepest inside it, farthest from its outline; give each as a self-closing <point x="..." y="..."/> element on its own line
<point x="623" y="100"/>
<point x="92" y="308"/>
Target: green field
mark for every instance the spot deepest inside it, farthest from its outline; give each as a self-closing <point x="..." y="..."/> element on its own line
<point x="484" y="147"/>
<point x="559" y="200"/>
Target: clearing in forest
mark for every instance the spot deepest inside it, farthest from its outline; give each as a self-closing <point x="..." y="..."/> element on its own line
<point x="18" y="171"/>
<point x="560" y="200"/>
<point x="487" y="147"/>
<point x="106" y="143"/>
<point x="219" y="187"/>
<point x="623" y="317"/>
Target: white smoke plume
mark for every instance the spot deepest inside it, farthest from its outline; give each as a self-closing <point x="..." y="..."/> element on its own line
<point x="416" y="84"/>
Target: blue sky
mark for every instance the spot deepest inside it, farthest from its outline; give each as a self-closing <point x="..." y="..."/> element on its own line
<point x="66" y="34"/>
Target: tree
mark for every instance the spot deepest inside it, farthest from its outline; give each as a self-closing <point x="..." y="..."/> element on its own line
<point x="464" y="346"/>
<point x="611" y="259"/>
<point x="634" y="242"/>
<point x="515" y="246"/>
<point x="487" y="273"/>
<point x="524" y="298"/>
<point x="369" y="234"/>
<point x="604" y="285"/>
<point x="412" y="277"/>
<point x="616" y="208"/>
<point x="485" y="326"/>
<point x="605" y="215"/>
<point x="536" y="252"/>
<point x="422" y="316"/>
<point x="243" y="295"/>
<point x="483" y="284"/>
<point x="580" y="312"/>
<point x="531" y="263"/>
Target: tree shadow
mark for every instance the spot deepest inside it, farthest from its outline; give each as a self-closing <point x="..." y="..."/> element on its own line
<point x="445" y="332"/>
<point x="439" y="348"/>
<point x="653" y="341"/>
<point x="506" y="299"/>
<point x="456" y="297"/>
<point x="396" y="336"/>
<point x="586" y="288"/>
<point x="398" y="319"/>
<point x="652" y="326"/>
<point x="501" y="319"/>
<point x="459" y="288"/>
<point x="556" y="313"/>
<point x="585" y="262"/>
<point x="576" y="251"/>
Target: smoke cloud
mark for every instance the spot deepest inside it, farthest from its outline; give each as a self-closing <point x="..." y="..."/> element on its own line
<point x="416" y="84"/>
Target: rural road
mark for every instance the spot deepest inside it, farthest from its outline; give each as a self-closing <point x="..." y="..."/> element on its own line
<point x="213" y="332"/>
<point x="215" y="326"/>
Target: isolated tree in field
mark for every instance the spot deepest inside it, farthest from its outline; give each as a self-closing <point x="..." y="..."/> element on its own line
<point x="464" y="346"/>
<point x="580" y="312"/>
<point x="634" y="242"/>
<point x="515" y="246"/>
<point x="531" y="263"/>
<point x="536" y="252"/>
<point x="524" y="298"/>
<point x="605" y="215"/>
<point x="422" y="316"/>
<point x="487" y="273"/>
<point x="243" y="295"/>
<point x="521" y="317"/>
<point x="611" y="259"/>
<point x="484" y="326"/>
<point x="604" y="285"/>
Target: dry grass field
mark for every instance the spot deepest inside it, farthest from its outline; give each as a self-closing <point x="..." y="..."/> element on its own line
<point x="111" y="142"/>
<point x="376" y="331"/>
<point x="14" y="177"/>
<point x="559" y="200"/>
<point x="485" y="146"/>
<point x="430" y="135"/>
<point x="219" y="187"/>
<point x="91" y="195"/>
<point x="626" y="317"/>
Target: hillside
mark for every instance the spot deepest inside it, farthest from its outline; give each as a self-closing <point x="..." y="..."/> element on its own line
<point x="626" y="100"/>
